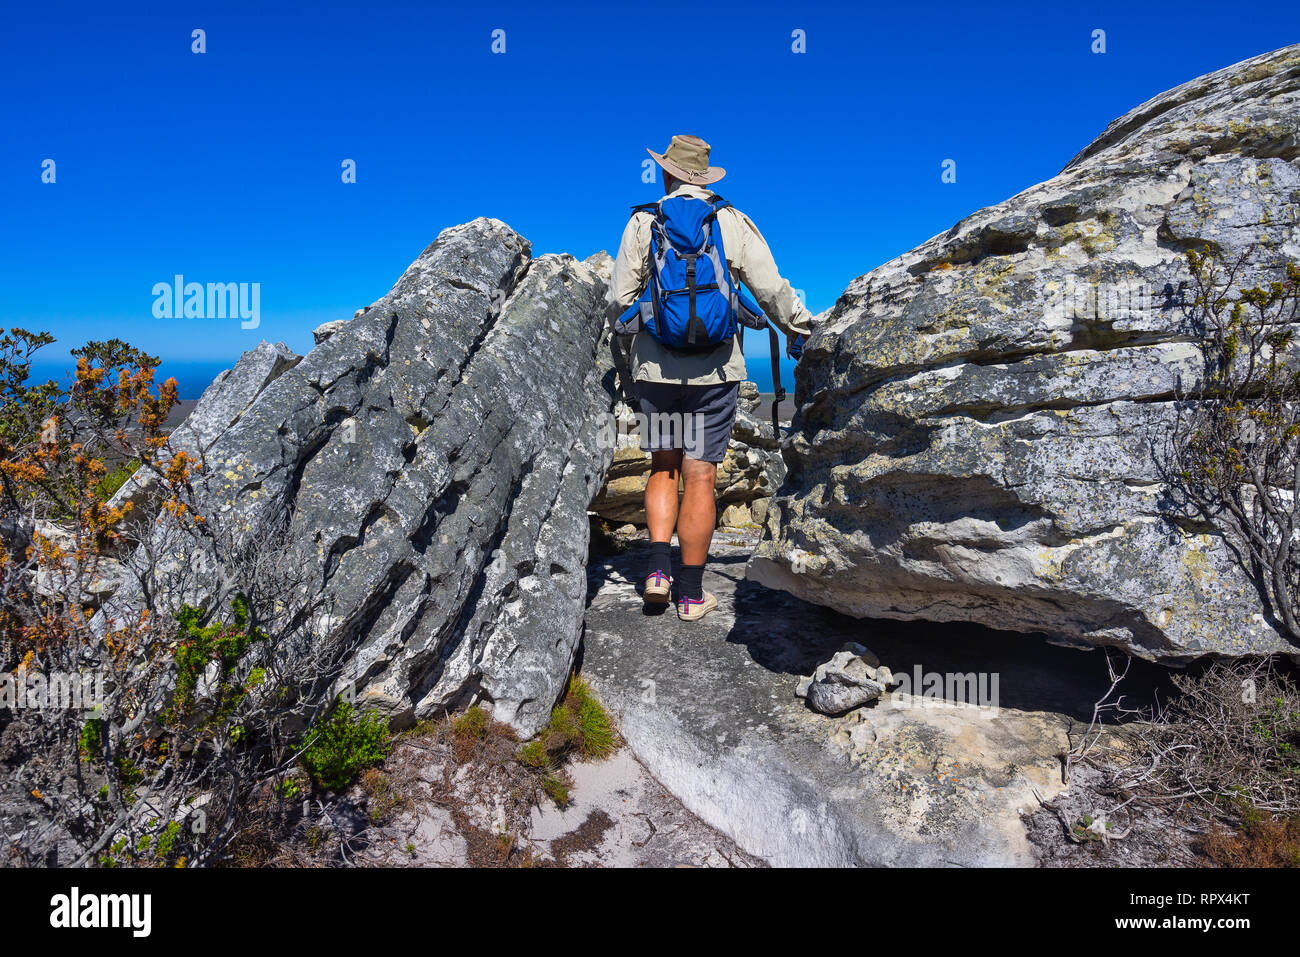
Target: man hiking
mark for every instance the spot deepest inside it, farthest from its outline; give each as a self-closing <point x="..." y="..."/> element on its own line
<point x="676" y="289"/>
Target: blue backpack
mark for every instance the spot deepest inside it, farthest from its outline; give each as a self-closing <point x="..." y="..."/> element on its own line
<point x="691" y="303"/>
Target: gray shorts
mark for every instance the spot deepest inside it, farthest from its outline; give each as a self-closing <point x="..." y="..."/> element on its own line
<point x="694" y="418"/>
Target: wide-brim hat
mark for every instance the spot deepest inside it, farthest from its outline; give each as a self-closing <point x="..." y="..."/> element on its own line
<point x="687" y="159"/>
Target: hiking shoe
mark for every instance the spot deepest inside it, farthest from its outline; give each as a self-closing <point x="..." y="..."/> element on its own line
<point x="657" y="588"/>
<point x="693" y="609"/>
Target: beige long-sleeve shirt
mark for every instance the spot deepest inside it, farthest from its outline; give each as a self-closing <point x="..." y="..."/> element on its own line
<point x="749" y="260"/>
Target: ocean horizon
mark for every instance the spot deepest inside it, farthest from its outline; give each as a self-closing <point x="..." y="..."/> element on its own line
<point x="194" y="375"/>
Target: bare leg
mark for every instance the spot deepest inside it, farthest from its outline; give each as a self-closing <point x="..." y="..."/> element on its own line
<point x="698" y="512"/>
<point x="661" y="494"/>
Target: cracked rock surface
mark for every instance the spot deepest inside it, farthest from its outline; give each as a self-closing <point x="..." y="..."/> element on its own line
<point x="429" y="463"/>
<point x="981" y="422"/>
<point x="920" y="777"/>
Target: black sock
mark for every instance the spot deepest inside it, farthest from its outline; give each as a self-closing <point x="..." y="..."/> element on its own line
<point x="660" y="559"/>
<point x="689" y="582"/>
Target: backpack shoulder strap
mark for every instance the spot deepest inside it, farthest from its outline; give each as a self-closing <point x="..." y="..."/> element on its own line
<point x="654" y="209"/>
<point x="717" y="204"/>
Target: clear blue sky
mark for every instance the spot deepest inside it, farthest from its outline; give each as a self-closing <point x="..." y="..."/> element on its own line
<point x="225" y="166"/>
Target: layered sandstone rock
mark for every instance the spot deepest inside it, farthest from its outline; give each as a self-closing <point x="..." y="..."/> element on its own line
<point x="982" y="421"/>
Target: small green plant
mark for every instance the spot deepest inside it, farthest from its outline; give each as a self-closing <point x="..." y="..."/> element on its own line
<point x="424" y="728"/>
<point x="579" y="725"/>
<point x="471" y="725"/>
<point x="167" y="840"/>
<point x="1279" y="727"/>
<point x="534" y="754"/>
<point x="345" y="744"/>
<point x="474" y="731"/>
<point x="595" y="727"/>
<point x="106" y="487"/>
<point x="198" y="646"/>
<point x="157" y="849"/>
<point x="89" y="742"/>
<point x="556" y="788"/>
<point x="128" y="772"/>
<point x="562" y="732"/>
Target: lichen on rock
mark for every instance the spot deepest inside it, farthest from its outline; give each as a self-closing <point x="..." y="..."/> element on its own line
<point x="982" y="421"/>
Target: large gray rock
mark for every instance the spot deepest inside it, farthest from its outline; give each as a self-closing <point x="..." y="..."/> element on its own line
<point x="982" y="421"/>
<point x="220" y="406"/>
<point x="428" y="466"/>
<point x="231" y="392"/>
<point x="918" y="779"/>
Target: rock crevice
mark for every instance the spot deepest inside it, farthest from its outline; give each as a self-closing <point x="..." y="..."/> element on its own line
<point x="427" y="467"/>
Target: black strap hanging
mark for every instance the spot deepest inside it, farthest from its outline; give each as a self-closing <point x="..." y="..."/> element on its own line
<point x="778" y="391"/>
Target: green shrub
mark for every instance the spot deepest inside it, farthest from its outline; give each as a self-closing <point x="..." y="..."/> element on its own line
<point x="345" y="744"/>
<point x="471" y="725"/>
<point x="556" y="789"/>
<point x="579" y="725"/>
<point x="128" y="772"/>
<point x="89" y="741"/>
<point x="197" y="646"/>
<point x="106" y="487"/>
<point x="534" y="754"/>
<point x="562" y="733"/>
<point x="597" y="738"/>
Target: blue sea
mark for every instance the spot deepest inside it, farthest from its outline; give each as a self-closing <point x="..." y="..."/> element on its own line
<point x="191" y="376"/>
<point x="759" y="369"/>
